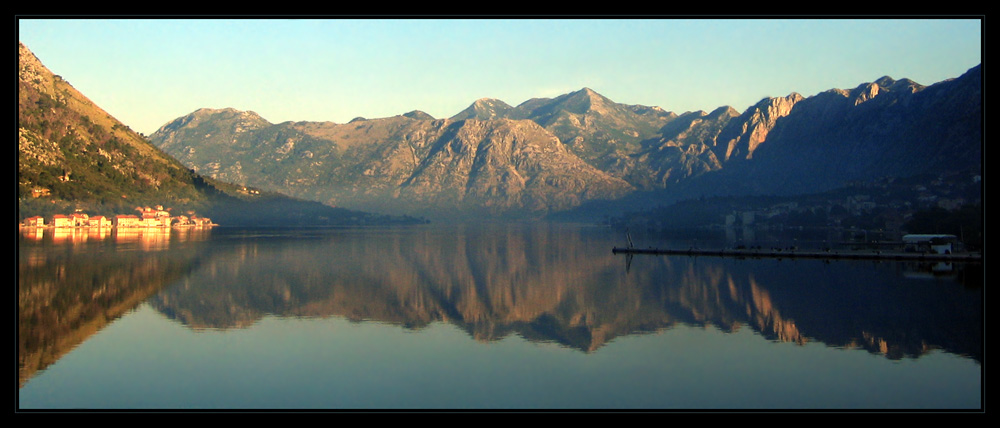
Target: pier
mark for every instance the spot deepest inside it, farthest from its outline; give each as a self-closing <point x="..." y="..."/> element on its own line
<point x="809" y="254"/>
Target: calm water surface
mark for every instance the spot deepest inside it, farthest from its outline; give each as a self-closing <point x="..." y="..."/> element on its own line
<point x="493" y="317"/>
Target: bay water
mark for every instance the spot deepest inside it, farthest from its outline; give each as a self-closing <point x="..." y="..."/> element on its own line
<point x="496" y="316"/>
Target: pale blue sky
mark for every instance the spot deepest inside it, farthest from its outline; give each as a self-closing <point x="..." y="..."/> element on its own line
<point x="149" y="72"/>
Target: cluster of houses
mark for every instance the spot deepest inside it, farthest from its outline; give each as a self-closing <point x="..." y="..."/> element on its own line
<point x="148" y="217"/>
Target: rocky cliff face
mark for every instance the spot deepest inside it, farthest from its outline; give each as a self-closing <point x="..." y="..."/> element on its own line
<point x="749" y="130"/>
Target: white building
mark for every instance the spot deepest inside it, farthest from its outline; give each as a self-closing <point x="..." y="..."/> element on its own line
<point x="937" y="244"/>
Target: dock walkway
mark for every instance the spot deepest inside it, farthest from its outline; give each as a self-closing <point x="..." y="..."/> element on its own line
<point x="809" y="254"/>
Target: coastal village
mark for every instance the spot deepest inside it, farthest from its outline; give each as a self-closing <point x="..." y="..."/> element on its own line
<point x="148" y="217"/>
<point x="865" y="220"/>
<point x="863" y="210"/>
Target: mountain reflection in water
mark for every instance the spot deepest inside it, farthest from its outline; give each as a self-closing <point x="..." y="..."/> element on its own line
<point x="71" y="283"/>
<point x="549" y="283"/>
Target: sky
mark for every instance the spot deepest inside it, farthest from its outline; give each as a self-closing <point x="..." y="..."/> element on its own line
<point x="148" y="72"/>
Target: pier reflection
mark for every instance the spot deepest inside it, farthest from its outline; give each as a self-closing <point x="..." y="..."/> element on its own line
<point x="545" y="283"/>
<point x="562" y="285"/>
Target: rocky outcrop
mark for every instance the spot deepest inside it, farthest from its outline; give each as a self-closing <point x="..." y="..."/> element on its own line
<point x="744" y="134"/>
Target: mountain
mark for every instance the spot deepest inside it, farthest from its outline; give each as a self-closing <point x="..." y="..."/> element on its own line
<point x="484" y="109"/>
<point x="543" y="156"/>
<point x="73" y="155"/>
<point x="797" y="145"/>
<point x="683" y="149"/>
<point x="740" y="138"/>
<point x="397" y="164"/>
<point x="885" y="128"/>
<point x="600" y="131"/>
<point x="413" y="163"/>
<point x="419" y="115"/>
<point x="71" y="149"/>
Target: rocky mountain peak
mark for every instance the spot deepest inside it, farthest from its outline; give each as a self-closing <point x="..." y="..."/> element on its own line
<point x="29" y="68"/>
<point x="418" y="115"/>
<point x="247" y="118"/>
<point x="36" y="76"/>
<point x="778" y="105"/>
<point x="586" y="100"/>
<point x="905" y="85"/>
<point x="901" y="85"/>
<point x="866" y="92"/>
<point x="885" y="81"/>
<point x="591" y="94"/>
<point x="484" y="109"/>
<point x="724" y="111"/>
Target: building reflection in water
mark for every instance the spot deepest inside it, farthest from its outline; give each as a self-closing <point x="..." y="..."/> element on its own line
<point x="541" y="282"/>
<point x="74" y="282"/>
<point x="148" y="237"/>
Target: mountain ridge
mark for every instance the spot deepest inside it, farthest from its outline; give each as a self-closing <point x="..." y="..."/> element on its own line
<point x="390" y="163"/>
<point x="651" y="149"/>
<point x="74" y="156"/>
<point x="542" y="156"/>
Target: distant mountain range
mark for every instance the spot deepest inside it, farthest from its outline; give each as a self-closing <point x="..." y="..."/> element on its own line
<point x="552" y="154"/>
<point x="544" y="156"/>
<point x="885" y="128"/>
<point x="396" y="164"/>
<point x="72" y="155"/>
